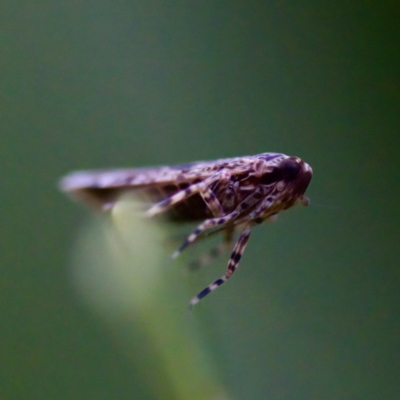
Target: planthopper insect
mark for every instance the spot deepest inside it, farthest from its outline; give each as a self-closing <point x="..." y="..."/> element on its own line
<point x="226" y="194"/>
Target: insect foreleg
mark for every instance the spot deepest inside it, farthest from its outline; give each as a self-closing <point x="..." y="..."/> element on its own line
<point x="189" y="191"/>
<point x="232" y="266"/>
<point x="261" y="210"/>
<point x="248" y="202"/>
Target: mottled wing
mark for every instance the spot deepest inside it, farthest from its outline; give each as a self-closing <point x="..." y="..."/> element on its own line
<point x="101" y="188"/>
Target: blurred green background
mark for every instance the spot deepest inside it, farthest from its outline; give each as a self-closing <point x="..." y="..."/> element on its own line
<point x="313" y="312"/>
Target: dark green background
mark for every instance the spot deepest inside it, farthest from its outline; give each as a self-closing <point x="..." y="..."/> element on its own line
<point x="314" y="311"/>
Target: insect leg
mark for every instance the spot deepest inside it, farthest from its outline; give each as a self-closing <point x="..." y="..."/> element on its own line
<point x="212" y="201"/>
<point x="248" y="202"/>
<point x="214" y="252"/>
<point x="185" y="193"/>
<point x="232" y="266"/>
<point x="208" y="223"/>
<point x="261" y="211"/>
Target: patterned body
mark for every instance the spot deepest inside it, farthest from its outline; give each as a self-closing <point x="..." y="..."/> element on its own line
<point x="224" y="194"/>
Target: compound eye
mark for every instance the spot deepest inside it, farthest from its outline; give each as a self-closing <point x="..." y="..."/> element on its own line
<point x="290" y="169"/>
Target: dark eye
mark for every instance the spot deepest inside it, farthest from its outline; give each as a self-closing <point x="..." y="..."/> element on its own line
<point x="290" y="169"/>
<point x="271" y="177"/>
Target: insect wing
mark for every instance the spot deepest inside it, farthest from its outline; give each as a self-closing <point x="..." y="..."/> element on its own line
<point x="102" y="187"/>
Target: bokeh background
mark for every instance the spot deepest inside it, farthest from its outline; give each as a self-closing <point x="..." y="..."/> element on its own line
<point x="314" y="311"/>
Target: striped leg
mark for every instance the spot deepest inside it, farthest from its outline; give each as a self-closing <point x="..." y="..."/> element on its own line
<point x="259" y="214"/>
<point x="248" y="202"/>
<point x="182" y="195"/>
<point x="214" y="252"/>
<point x="232" y="266"/>
<point x="212" y="202"/>
<point x="208" y="223"/>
